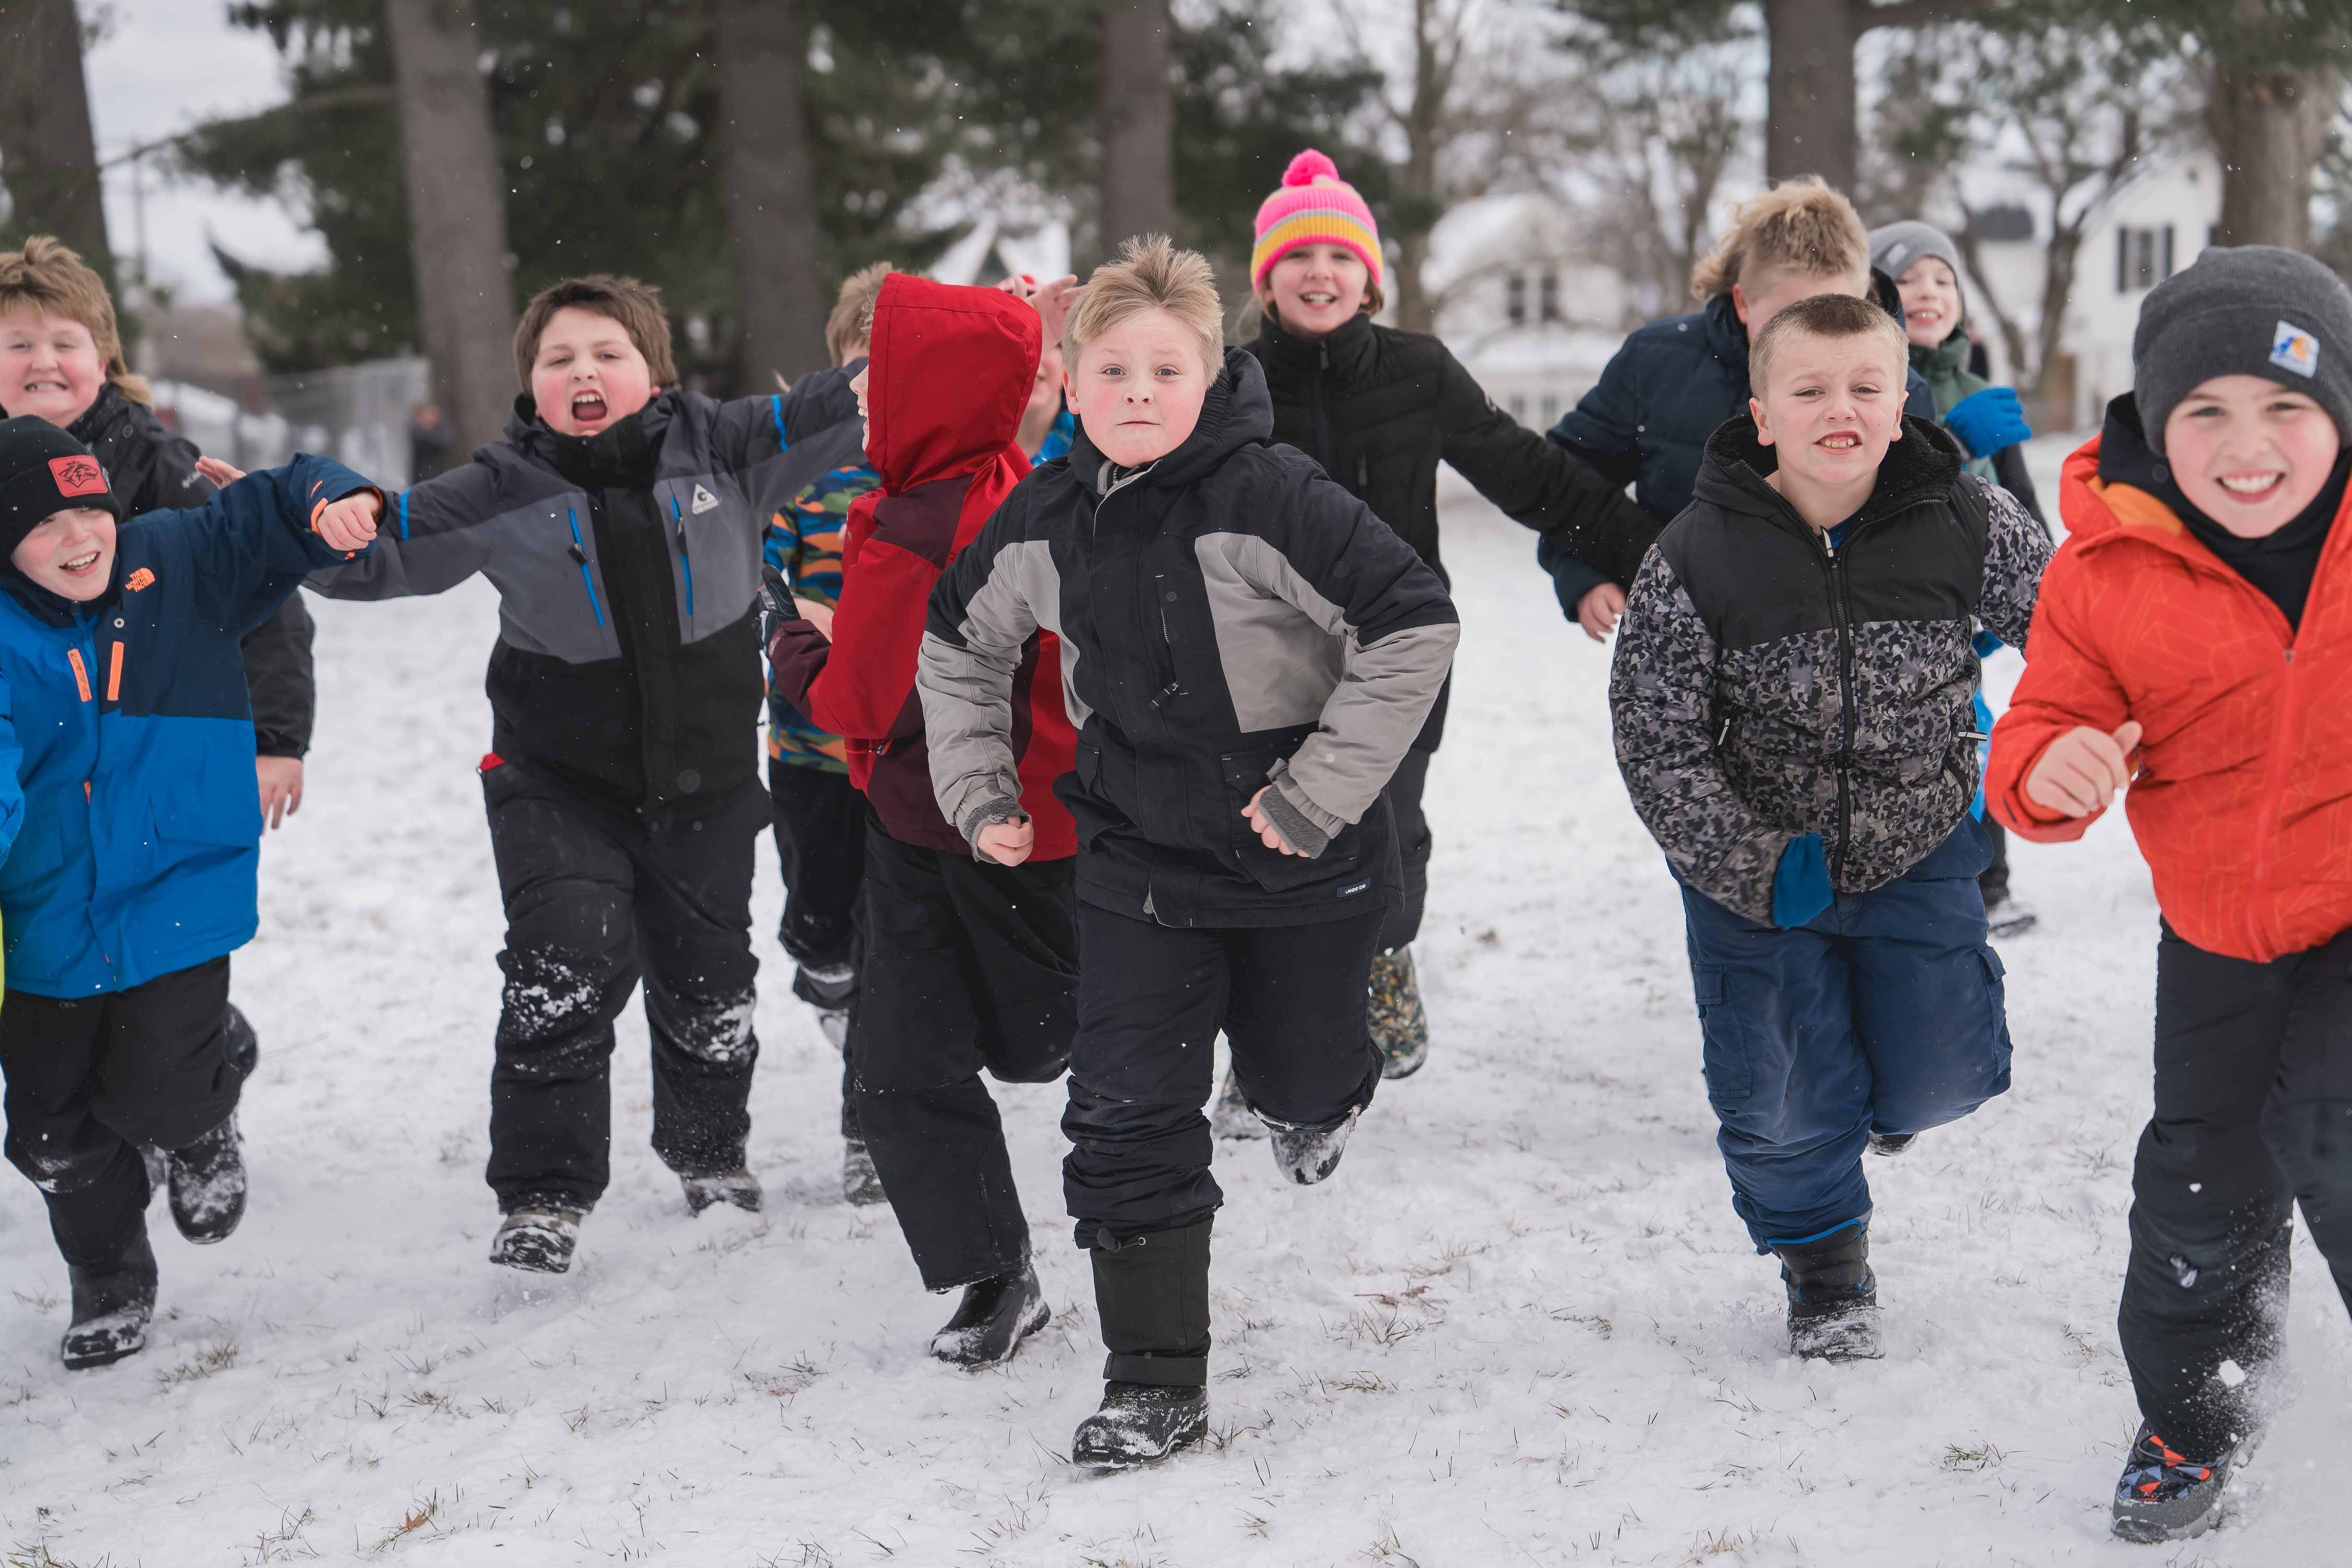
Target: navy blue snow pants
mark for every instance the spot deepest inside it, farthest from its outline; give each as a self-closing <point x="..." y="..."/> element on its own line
<point x="1884" y="1014"/>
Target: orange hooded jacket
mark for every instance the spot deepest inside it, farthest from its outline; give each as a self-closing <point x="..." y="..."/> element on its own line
<point x="947" y="377"/>
<point x="2242" y="801"/>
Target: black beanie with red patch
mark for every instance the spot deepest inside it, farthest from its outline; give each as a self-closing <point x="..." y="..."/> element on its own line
<point x="44" y="471"/>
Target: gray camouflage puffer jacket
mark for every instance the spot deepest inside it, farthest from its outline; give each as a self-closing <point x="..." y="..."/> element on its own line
<point x="1768" y="685"/>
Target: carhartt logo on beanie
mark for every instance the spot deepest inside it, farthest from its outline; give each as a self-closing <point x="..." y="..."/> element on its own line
<point x="1314" y="207"/>
<point x="2253" y="309"/>
<point x="43" y="471"/>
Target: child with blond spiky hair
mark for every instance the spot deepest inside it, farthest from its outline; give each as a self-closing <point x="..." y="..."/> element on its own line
<point x="1248" y="652"/>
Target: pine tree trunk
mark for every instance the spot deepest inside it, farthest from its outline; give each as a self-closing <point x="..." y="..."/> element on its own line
<point x="771" y="191"/>
<point x="1810" y="126"/>
<point x="1138" y="123"/>
<point x="51" y="168"/>
<point x="456" y="212"/>
<point x="2268" y="129"/>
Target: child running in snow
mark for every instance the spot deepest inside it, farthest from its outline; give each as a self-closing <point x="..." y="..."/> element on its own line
<point x="820" y="822"/>
<point x="622" y="522"/>
<point x="129" y="824"/>
<point x="1381" y="409"/>
<point x="1990" y="426"/>
<point x="1248" y="652"/>
<point x="2192" y="639"/>
<point x="1793" y="702"/>
<point x="970" y="936"/>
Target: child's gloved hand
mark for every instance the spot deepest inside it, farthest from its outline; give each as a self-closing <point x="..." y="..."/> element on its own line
<point x="1988" y="421"/>
<point x="1801" y="888"/>
<point x="1007" y="843"/>
<point x="349" y="524"/>
<point x="1262" y="825"/>
<point x="775" y="604"/>
<point x="2082" y="769"/>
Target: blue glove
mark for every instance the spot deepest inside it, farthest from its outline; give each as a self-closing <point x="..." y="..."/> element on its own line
<point x="1988" y="421"/>
<point x="1801" y="889"/>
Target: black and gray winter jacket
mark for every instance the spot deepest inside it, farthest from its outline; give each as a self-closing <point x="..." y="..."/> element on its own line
<point x="627" y="564"/>
<point x="1768" y="686"/>
<point x="153" y="469"/>
<point x="1228" y="617"/>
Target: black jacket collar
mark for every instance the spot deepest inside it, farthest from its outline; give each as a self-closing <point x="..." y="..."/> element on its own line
<point x="1921" y="466"/>
<point x="1345" y="354"/>
<point x="620" y="458"/>
<point x="1238" y="411"/>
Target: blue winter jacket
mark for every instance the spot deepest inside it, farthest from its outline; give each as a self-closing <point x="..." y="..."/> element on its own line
<point x="1646" y="422"/>
<point x="128" y="809"/>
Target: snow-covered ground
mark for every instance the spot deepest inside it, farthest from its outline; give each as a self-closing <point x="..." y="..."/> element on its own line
<point x="1520" y="1326"/>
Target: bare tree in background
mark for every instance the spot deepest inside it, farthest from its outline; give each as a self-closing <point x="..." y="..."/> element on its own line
<point x="48" y="159"/>
<point x="2075" y="109"/>
<point x="2270" y="128"/>
<point x="456" y="212"/>
<point x="1139" y="122"/>
<point x="771" y="191"/>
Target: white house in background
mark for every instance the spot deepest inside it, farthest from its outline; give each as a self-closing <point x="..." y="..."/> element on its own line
<point x="2153" y="225"/>
<point x="1532" y="320"/>
<point x="993" y="250"/>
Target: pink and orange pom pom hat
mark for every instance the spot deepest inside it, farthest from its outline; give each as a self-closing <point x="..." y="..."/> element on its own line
<point x="1314" y="207"/>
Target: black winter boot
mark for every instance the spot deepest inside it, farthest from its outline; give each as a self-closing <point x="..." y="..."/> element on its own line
<point x="1307" y="1155"/>
<point x="539" y="1239"/>
<point x="738" y="1187"/>
<point x="1152" y="1292"/>
<point x="1833" y="1295"/>
<point x="208" y="1184"/>
<point x="992" y="1319"/>
<point x="2166" y="1496"/>
<point x="110" y="1308"/>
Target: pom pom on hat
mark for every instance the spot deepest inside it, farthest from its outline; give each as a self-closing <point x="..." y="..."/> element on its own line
<point x="1308" y="168"/>
<point x="1314" y="207"/>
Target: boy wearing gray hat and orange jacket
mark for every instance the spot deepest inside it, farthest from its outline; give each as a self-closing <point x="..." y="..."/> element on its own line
<point x="2194" y="640"/>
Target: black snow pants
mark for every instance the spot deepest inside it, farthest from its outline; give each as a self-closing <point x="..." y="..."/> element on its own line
<point x="2254" y="1112"/>
<point x="968" y="965"/>
<point x="1413" y="842"/>
<point x="593" y="901"/>
<point x="90" y="1080"/>
<point x="1994" y="882"/>
<point x="1152" y="998"/>
<point x="821" y="849"/>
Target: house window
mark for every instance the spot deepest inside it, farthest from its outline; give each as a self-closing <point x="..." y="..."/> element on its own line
<point x="1519" y="405"/>
<point x="1550" y="297"/>
<point x="2143" y="258"/>
<point x="1550" y="409"/>
<point x="1514" y="300"/>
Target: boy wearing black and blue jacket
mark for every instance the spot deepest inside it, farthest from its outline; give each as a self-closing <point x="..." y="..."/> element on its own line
<point x="132" y="829"/>
<point x="622" y="522"/>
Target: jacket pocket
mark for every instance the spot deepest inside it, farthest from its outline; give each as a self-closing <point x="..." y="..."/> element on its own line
<point x="1724" y="1048"/>
<point x="1246" y="773"/>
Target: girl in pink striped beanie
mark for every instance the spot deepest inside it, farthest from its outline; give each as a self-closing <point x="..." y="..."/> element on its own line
<point x="1316" y="262"/>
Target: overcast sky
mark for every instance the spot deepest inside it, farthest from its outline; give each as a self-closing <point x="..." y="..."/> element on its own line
<point x="165" y="66"/>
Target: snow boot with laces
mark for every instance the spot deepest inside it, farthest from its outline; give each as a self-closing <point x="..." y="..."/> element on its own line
<point x="1399" y="1024"/>
<point x="738" y="1187"/>
<point x="1152" y="1292"/>
<point x="992" y="1319"/>
<point x="206" y="1180"/>
<point x="111" y="1307"/>
<point x="1833" y="1295"/>
<point x="2166" y="1496"/>
<point x="540" y="1239"/>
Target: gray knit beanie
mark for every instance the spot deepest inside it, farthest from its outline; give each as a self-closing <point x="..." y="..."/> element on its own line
<point x="2253" y="309"/>
<point x="1894" y="248"/>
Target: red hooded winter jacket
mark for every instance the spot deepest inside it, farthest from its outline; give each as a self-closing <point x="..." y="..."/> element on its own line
<point x="2242" y="804"/>
<point x="947" y="377"/>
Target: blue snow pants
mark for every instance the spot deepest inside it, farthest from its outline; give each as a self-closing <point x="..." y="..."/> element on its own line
<point x="1882" y="1013"/>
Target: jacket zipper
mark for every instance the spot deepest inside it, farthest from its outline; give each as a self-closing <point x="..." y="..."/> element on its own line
<point x="2266" y="813"/>
<point x="685" y="562"/>
<point x="1323" y="453"/>
<point x="1842" y="617"/>
<point x="580" y="559"/>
